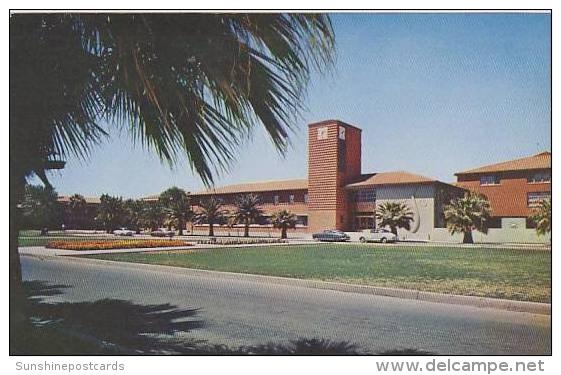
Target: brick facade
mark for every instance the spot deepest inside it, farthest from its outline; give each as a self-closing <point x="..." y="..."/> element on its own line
<point x="508" y="198"/>
<point x="334" y="160"/>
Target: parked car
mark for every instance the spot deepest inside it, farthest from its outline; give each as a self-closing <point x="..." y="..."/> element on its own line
<point x="377" y="235"/>
<point x="331" y="235"/>
<point x="123" y="232"/>
<point x="162" y="232"/>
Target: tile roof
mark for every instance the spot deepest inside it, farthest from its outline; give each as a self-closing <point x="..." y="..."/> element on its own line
<point x="538" y="161"/>
<point x="89" y="200"/>
<point x="254" y="187"/>
<point x="391" y="178"/>
<point x="153" y="197"/>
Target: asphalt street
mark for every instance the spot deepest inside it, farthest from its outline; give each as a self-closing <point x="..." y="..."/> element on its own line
<point x="245" y="312"/>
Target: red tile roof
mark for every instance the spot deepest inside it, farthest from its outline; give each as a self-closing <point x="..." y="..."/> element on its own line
<point x="391" y="178"/>
<point x="538" y="161"/>
<point x="254" y="187"/>
<point x="89" y="200"/>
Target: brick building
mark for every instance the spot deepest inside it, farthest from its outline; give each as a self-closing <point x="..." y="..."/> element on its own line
<point x="514" y="188"/>
<point x="337" y="194"/>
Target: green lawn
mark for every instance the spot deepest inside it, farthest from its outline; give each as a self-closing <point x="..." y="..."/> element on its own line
<point x="499" y="273"/>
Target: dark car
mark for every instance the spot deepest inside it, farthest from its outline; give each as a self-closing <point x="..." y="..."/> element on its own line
<point x="162" y="232"/>
<point x="331" y="235"/>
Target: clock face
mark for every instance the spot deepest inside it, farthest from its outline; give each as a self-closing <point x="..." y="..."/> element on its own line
<point x="341" y="132"/>
<point x="322" y="133"/>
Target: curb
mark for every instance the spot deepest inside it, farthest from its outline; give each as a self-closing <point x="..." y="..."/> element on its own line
<point x="412" y="294"/>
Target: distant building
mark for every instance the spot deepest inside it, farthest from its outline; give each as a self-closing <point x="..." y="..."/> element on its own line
<point x="514" y="188"/>
<point x="84" y="219"/>
<point x="337" y="195"/>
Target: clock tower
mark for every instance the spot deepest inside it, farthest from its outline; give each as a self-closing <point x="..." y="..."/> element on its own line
<point x="334" y="160"/>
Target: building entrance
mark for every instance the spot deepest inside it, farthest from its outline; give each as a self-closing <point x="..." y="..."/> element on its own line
<point x="365" y="222"/>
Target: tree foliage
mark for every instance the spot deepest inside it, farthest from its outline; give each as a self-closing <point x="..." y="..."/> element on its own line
<point x="133" y="209"/>
<point x="542" y="217"/>
<point x="184" y="84"/>
<point x="111" y="212"/>
<point x="394" y="215"/>
<point x="40" y="208"/>
<point x="468" y="213"/>
<point x="283" y="220"/>
<point x="211" y="211"/>
<point x="177" y="204"/>
<point x="152" y="215"/>
<point x="247" y="210"/>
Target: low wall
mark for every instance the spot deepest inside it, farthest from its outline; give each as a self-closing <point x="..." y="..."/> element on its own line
<point x="494" y="235"/>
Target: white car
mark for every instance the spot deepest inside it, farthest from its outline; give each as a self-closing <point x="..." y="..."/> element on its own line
<point x="123" y="232"/>
<point x="377" y="235"/>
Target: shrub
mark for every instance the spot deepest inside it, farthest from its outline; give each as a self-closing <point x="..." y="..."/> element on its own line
<point x="239" y="241"/>
<point x="118" y="244"/>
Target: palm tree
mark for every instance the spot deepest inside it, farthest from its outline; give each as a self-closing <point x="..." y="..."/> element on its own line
<point x="40" y="207"/>
<point x="468" y="213"/>
<point x="152" y="215"/>
<point x="185" y="85"/>
<point x="133" y="214"/>
<point x="210" y="212"/>
<point x="394" y="215"/>
<point x="542" y="217"/>
<point x="111" y="212"/>
<point x="283" y="220"/>
<point x="247" y="211"/>
<point x="178" y="207"/>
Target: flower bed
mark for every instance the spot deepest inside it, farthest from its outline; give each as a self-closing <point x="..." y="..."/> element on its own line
<point x="239" y="241"/>
<point x="118" y="244"/>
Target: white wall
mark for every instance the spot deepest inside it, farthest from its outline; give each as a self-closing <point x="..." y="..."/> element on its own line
<point x="419" y="199"/>
<point x="513" y="231"/>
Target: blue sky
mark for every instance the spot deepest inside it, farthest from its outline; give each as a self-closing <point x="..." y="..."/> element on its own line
<point x="433" y="93"/>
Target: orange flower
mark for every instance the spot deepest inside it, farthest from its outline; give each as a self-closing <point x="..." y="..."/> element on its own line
<point x="114" y="244"/>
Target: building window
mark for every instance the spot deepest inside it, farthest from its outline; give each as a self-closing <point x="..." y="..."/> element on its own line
<point x="302" y="220"/>
<point x="291" y="199"/>
<point x="306" y="198"/>
<point x="276" y="199"/>
<point x="530" y="224"/>
<point x="495" y="222"/>
<point x="489" y="180"/>
<point x="365" y="195"/>
<point x="535" y="198"/>
<point x="540" y="177"/>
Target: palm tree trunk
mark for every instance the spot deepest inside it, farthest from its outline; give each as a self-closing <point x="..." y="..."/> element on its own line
<point x="181" y="224"/>
<point x="211" y="229"/>
<point x="246" y="229"/>
<point x="283" y="232"/>
<point x="394" y="230"/>
<point x="17" y="295"/>
<point x="468" y="237"/>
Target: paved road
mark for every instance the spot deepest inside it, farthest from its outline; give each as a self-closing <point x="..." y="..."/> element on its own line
<point x="241" y="312"/>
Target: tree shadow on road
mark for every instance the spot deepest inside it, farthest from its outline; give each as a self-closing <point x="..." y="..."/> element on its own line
<point x="106" y="326"/>
<point x="118" y="327"/>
